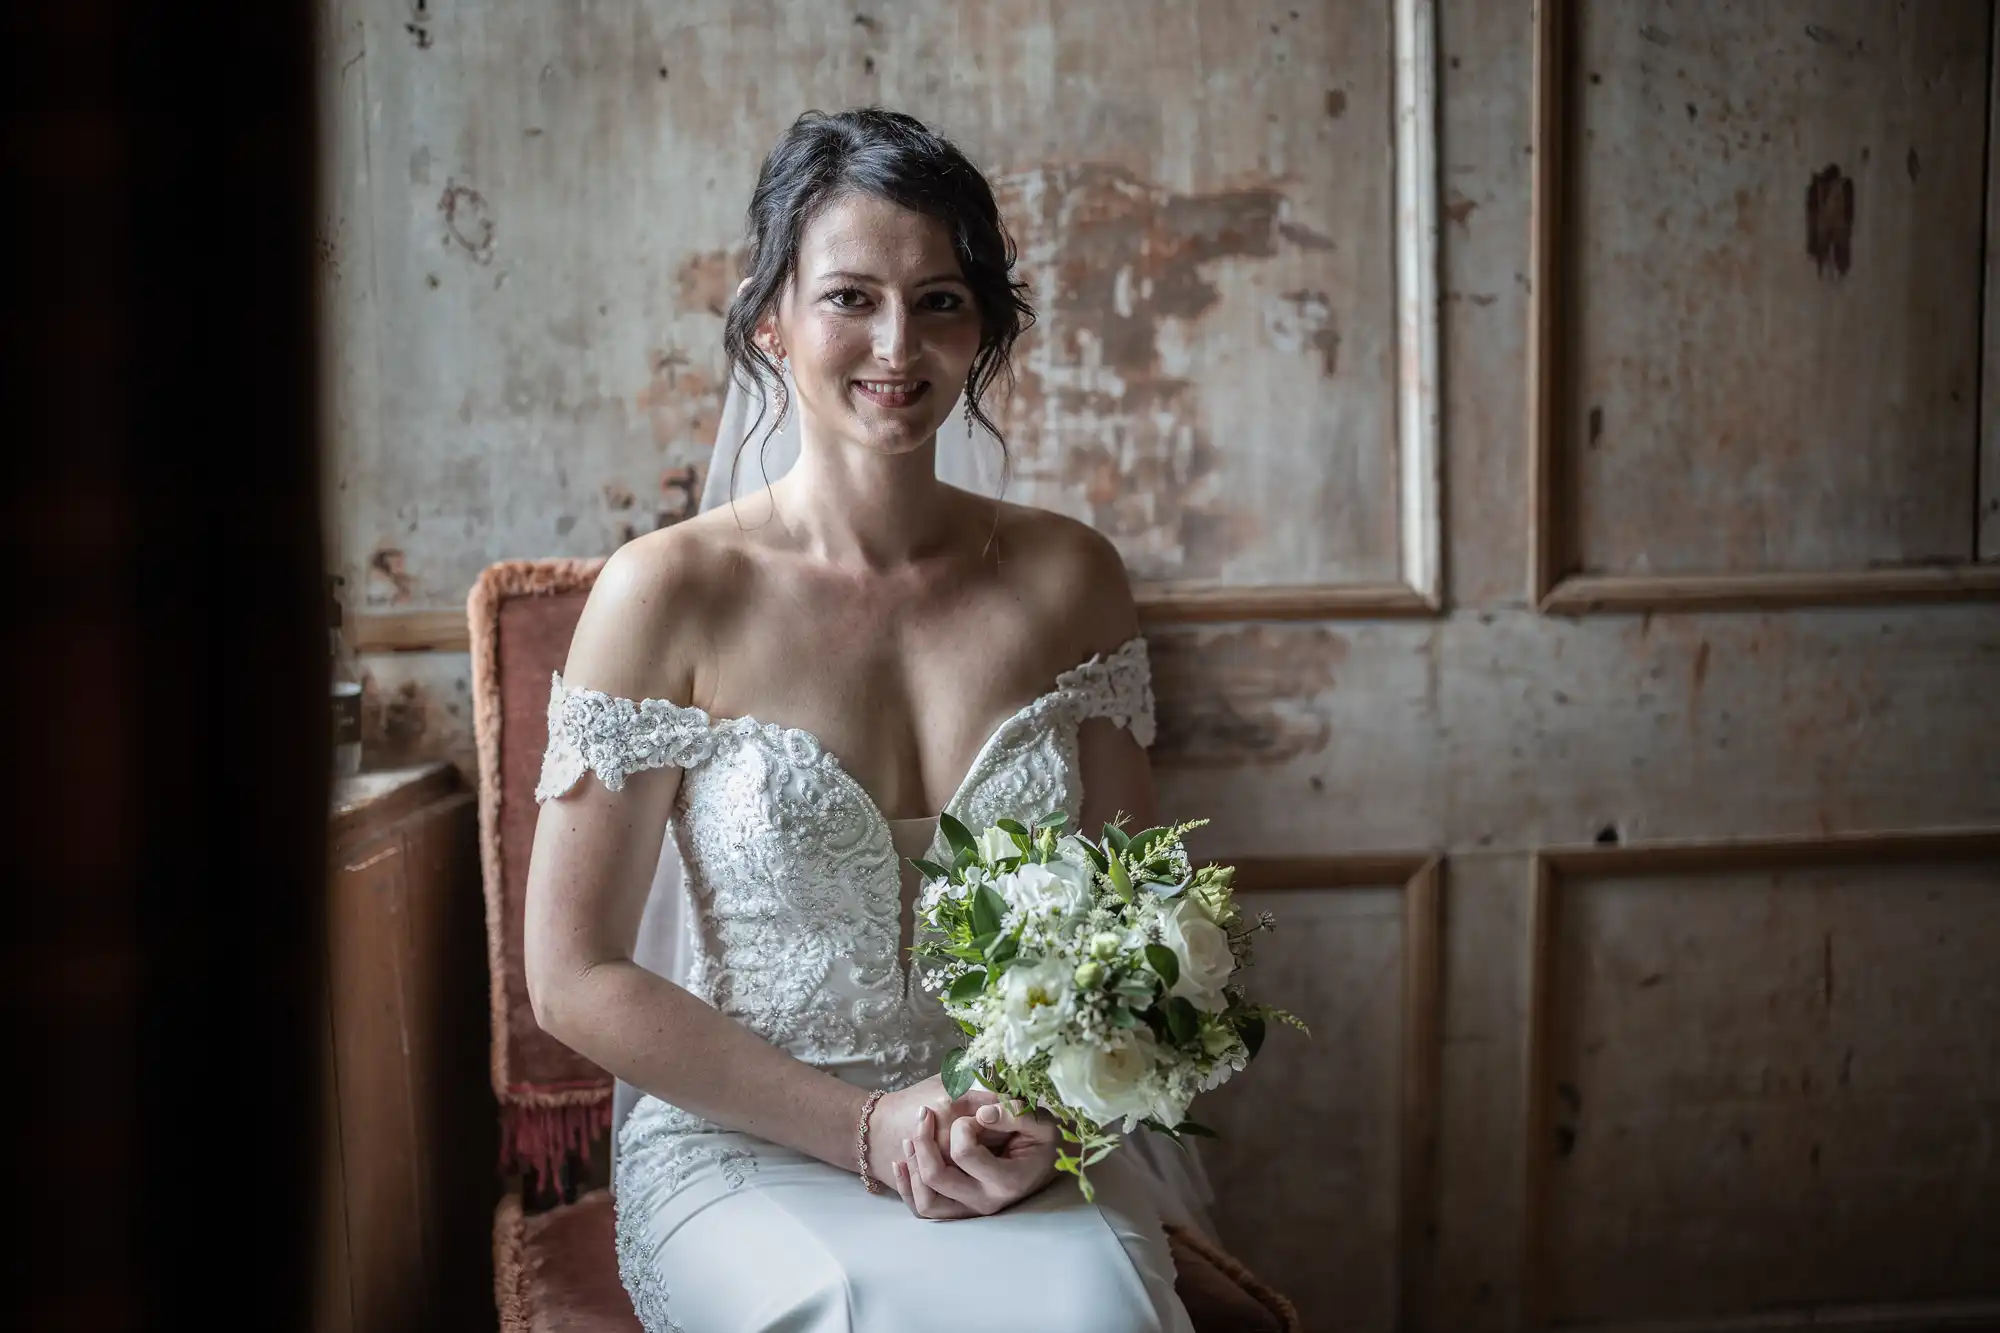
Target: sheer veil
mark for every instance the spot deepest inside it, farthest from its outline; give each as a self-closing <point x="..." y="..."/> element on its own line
<point x="968" y="456"/>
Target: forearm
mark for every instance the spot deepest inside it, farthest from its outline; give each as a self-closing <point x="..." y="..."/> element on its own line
<point x="656" y="1036"/>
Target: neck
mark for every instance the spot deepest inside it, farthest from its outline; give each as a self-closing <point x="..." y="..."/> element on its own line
<point x="859" y="509"/>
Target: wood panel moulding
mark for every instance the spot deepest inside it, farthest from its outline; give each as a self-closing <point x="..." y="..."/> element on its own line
<point x="1421" y="877"/>
<point x="1551" y="870"/>
<point x="1559" y="585"/>
<point x="1418" y="589"/>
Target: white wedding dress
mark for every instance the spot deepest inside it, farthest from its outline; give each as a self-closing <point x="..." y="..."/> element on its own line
<point x="796" y="886"/>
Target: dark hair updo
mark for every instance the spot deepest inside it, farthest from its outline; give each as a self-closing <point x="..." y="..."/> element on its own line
<point x="893" y="157"/>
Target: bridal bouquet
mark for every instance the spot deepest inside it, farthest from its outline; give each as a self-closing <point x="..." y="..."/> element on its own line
<point x="1094" y="979"/>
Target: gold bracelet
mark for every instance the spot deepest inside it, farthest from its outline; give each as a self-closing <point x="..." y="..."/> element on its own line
<point x="861" y="1142"/>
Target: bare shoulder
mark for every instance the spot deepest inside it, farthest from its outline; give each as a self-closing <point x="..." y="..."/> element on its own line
<point x="655" y="608"/>
<point x="1072" y="578"/>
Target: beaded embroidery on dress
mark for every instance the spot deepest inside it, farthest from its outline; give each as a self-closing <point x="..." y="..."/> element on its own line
<point x="793" y="889"/>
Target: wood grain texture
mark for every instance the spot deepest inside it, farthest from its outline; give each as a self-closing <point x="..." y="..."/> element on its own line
<point x="414" y="1137"/>
<point x="1486" y="198"/>
<point x="1773" y="224"/>
<point x="1626" y="594"/>
<point x="367" y="970"/>
<point x="1824" y="432"/>
<point x="1987" y="495"/>
<point x="1474" y="1259"/>
<point x="1322" y="1213"/>
<point x="1548" y="537"/>
<point x="1772" y="1026"/>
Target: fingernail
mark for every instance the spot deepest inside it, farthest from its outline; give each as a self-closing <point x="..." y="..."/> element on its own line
<point x="907" y="1149"/>
<point x="989" y="1114"/>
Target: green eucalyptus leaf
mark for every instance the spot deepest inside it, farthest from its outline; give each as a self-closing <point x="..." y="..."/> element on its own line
<point x="1121" y="883"/>
<point x="1002" y="950"/>
<point x="956" y="1072"/>
<point x="1115" y="839"/>
<point x="955" y="833"/>
<point x="1182" y="1020"/>
<point x="1054" y="819"/>
<point x="1121" y="1017"/>
<point x="988" y="910"/>
<point x="1097" y="858"/>
<point x="1167" y="888"/>
<point x="1142" y="843"/>
<point x="1011" y="825"/>
<point x="1161" y="959"/>
<point x="930" y="869"/>
<point x="965" y="857"/>
<point x="967" y="986"/>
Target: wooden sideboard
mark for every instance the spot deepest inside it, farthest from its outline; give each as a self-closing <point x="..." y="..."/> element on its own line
<point x="410" y="1143"/>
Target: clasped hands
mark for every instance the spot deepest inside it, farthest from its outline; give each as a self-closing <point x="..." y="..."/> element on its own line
<point x="956" y="1158"/>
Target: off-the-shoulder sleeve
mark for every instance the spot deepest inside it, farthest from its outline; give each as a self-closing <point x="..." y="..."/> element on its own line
<point x="1118" y="687"/>
<point x="614" y="738"/>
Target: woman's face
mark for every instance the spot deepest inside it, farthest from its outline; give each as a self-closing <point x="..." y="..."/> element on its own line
<point x="877" y="324"/>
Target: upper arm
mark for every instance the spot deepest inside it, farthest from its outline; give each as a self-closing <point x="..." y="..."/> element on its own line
<point x="595" y="850"/>
<point x="1100" y="618"/>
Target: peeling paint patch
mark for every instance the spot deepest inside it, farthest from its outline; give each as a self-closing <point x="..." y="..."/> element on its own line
<point x="1336" y="103"/>
<point x="389" y="583"/>
<point x="1830" y="221"/>
<point x="1118" y="264"/>
<point x="1243" y="698"/>
<point x="1460" y="209"/>
<point x="1298" y="320"/>
<point x="680" y="495"/>
<point x="707" y="281"/>
<point x="468" y="220"/>
<point x="682" y="402"/>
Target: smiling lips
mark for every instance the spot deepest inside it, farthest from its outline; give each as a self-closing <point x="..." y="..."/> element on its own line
<point x="892" y="393"/>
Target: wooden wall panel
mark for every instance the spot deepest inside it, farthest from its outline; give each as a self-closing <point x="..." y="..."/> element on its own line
<point x="1502" y="731"/>
<point x="1471" y="1259"/>
<point x="368" y="963"/>
<point x="1767" y="1081"/>
<point x="1761" y="355"/>
<point x="1330" y="1215"/>
<point x="1557" y="730"/>
<point x="539" y="218"/>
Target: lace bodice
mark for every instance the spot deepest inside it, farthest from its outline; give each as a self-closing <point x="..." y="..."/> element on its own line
<point x="792" y="878"/>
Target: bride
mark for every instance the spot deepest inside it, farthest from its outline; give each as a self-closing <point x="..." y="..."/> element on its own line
<point x="795" y="684"/>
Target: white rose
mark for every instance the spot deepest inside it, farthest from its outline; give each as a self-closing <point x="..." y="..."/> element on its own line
<point x="1202" y="949"/>
<point x="1110" y="1083"/>
<point x="996" y="845"/>
<point x="1035" y="1000"/>
<point x="1056" y="888"/>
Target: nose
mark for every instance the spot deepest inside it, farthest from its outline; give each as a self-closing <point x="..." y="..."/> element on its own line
<point x="894" y="345"/>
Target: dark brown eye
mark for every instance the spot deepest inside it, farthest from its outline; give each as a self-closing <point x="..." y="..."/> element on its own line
<point x="847" y="298"/>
